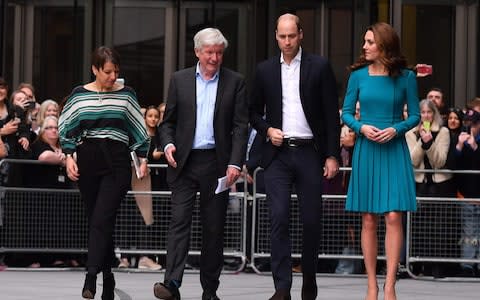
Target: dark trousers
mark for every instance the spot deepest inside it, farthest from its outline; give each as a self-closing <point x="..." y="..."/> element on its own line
<point x="199" y="175"/>
<point x="105" y="176"/>
<point x="302" y="167"/>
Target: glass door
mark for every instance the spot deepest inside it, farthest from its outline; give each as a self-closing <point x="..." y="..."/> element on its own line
<point x="44" y="43"/>
<point x="141" y="31"/>
<point x="444" y="34"/>
<point x="230" y="17"/>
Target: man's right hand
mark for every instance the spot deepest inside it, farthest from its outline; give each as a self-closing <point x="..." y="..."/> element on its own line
<point x="276" y="136"/>
<point x="169" y="151"/>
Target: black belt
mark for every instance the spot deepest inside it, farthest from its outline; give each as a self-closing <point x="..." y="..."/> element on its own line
<point x="297" y="142"/>
<point x="203" y="150"/>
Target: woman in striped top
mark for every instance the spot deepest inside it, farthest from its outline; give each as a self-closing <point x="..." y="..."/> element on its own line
<point x="101" y="123"/>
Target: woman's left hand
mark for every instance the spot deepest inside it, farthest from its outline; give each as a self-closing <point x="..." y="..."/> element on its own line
<point x="143" y="169"/>
<point x="385" y="135"/>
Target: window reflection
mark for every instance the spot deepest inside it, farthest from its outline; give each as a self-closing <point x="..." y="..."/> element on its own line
<point x="139" y="37"/>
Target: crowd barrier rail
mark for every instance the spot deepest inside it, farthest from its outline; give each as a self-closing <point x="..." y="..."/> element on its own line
<point x="53" y="221"/>
<point x="432" y="233"/>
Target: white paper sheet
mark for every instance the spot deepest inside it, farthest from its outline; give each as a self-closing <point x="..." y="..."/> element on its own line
<point x="222" y="185"/>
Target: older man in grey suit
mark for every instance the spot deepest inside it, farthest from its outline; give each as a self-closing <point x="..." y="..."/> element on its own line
<point x="204" y="135"/>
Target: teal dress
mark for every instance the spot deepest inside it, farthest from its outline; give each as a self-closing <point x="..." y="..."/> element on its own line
<point x="382" y="178"/>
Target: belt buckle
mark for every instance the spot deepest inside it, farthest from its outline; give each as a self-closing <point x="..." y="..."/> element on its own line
<point x="291" y="142"/>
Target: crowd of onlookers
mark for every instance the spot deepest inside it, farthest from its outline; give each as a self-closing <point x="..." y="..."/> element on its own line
<point x="445" y="138"/>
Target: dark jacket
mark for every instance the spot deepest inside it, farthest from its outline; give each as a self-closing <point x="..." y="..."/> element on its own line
<point x="319" y="102"/>
<point x="230" y="119"/>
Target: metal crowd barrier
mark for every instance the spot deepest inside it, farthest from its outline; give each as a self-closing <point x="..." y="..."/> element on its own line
<point x="432" y="233"/>
<point x="54" y="221"/>
<point x="340" y="234"/>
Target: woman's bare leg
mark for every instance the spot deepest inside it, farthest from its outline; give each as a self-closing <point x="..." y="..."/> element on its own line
<point x="393" y="248"/>
<point x="370" y="249"/>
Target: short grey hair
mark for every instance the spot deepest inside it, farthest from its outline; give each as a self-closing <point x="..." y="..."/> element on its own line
<point x="209" y="37"/>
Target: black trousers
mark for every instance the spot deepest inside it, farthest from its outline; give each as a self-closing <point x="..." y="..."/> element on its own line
<point x="105" y="176"/>
<point x="199" y="175"/>
<point x="302" y="167"/>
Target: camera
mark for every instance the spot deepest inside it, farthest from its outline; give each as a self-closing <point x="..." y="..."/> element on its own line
<point x="466" y="129"/>
<point x="31" y="105"/>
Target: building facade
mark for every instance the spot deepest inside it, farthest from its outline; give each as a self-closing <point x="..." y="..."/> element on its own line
<point x="48" y="42"/>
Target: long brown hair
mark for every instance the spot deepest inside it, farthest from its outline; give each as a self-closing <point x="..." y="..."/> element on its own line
<point x="388" y="44"/>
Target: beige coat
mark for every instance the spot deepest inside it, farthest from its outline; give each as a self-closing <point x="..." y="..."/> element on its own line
<point x="437" y="153"/>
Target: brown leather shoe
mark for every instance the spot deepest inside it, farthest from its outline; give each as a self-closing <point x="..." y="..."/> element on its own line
<point x="309" y="287"/>
<point x="162" y="292"/>
<point x="281" y="295"/>
<point x="89" y="287"/>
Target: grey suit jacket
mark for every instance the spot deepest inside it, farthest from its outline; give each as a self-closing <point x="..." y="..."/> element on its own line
<point x="230" y="119"/>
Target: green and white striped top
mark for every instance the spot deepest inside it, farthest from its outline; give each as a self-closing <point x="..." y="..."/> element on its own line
<point x="112" y="115"/>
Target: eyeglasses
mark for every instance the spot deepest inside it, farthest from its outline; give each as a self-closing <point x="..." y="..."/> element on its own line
<point x="51" y="127"/>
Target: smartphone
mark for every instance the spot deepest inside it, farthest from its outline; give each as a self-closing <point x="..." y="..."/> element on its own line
<point x="466" y="129"/>
<point x="425" y="69"/>
<point x="426" y="125"/>
<point x="31" y="105"/>
<point x="120" y="81"/>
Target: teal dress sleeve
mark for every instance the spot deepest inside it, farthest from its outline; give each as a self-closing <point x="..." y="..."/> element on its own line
<point x="350" y="101"/>
<point x="412" y="105"/>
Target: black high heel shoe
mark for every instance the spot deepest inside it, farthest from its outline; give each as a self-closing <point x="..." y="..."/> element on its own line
<point x="108" y="292"/>
<point x="89" y="287"/>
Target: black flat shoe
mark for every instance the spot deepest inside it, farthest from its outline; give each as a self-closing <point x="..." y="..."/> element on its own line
<point x="209" y="296"/>
<point x="89" y="287"/>
<point x="281" y="294"/>
<point x="161" y="291"/>
<point x="108" y="292"/>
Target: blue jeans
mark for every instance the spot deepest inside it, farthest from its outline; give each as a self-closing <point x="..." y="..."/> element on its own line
<point x="470" y="233"/>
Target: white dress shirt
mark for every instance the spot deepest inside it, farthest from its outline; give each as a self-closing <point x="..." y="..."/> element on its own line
<point x="294" y="122"/>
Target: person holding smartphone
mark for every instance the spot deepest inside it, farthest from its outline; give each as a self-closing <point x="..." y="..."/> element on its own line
<point x="469" y="159"/>
<point x="12" y="132"/>
<point x="429" y="145"/>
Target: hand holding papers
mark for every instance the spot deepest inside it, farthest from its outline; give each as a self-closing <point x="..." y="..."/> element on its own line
<point x="222" y="185"/>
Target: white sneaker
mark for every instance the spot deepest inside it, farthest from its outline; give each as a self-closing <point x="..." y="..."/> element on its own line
<point x="147" y="263"/>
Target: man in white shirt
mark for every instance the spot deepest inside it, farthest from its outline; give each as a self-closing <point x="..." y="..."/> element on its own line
<point x="297" y="93"/>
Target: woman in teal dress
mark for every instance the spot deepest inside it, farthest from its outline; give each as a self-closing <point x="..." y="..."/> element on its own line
<point x="382" y="179"/>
